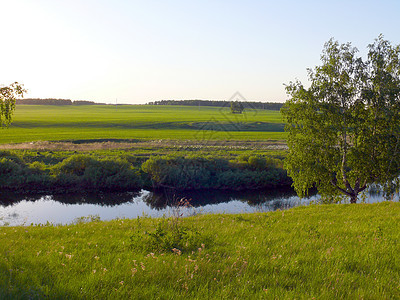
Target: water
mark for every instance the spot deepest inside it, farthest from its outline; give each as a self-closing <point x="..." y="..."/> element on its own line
<point x="68" y="208"/>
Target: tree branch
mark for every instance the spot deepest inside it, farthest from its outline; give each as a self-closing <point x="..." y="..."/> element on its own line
<point x="340" y="189"/>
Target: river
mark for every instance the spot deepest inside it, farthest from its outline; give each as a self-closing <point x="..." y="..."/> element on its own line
<point x="70" y="208"/>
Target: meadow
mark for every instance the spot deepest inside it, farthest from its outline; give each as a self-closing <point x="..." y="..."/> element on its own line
<point x="319" y="251"/>
<point x="58" y="123"/>
<point x="42" y="138"/>
<point x="315" y="252"/>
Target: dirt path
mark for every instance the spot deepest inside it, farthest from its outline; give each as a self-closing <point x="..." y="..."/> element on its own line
<point x="91" y="145"/>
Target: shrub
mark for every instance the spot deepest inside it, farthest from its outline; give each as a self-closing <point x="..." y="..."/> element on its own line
<point x="74" y="165"/>
<point x="38" y="167"/>
<point x="18" y="176"/>
<point x="257" y="163"/>
<point x="110" y="174"/>
<point x="91" y="174"/>
<point x="11" y="156"/>
<point x="11" y="173"/>
<point x="170" y="236"/>
<point x="204" y="173"/>
<point x="9" y="167"/>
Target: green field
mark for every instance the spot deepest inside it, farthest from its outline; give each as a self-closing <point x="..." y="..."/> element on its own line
<point x="315" y="252"/>
<point x="56" y="123"/>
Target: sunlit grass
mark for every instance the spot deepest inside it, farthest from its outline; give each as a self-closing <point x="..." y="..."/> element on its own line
<point x="326" y="252"/>
<point x="34" y="123"/>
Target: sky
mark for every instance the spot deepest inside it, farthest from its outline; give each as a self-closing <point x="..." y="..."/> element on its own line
<point x="134" y="52"/>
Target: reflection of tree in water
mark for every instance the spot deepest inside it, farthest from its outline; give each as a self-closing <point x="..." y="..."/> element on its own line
<point x="273" y="199"/>
<point x="103" y="199"/>
<point x="155" y="200"/>
<point x="7" y="199"/>
<point x="274" y="205"/>
<point x="277" y="198"/>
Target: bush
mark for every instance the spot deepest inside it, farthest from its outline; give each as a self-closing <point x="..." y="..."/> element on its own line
<point x="11" y="156"/>
<point x="9" y="167"/>
<point x="74" y="165"/>
<point x="18" y="176"/>
<point x="11" y="173"/>
<point x="91" y="174"/>
<point x="84" y="172"/>
<point x="110" y="174"/>
<point x="257" y="163"/>
<point x="205" y="173"/>
<point x="170" y="236"/>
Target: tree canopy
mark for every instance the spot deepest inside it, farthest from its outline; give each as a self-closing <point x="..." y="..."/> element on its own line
<point x="236" y="107"/>
<point x="8" y="95"/>
<point x="344" y="129"/>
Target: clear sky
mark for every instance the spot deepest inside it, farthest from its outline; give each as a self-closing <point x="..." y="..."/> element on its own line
<point x="141" y="51"/>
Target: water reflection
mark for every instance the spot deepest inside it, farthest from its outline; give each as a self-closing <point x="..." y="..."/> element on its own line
<point x="66" y="208"/>
<point x="161" y="199"/>
<point x="101" y="199"/>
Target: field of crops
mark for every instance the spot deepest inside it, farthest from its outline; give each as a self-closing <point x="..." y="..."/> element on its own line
<point x="55" y="123"/>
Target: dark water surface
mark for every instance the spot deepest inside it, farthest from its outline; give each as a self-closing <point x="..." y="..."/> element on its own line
<point x="68" y="208"/>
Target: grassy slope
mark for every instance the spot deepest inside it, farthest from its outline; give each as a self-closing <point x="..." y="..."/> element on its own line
<point x="326" y="252"/>
<point x="32" y="123"/>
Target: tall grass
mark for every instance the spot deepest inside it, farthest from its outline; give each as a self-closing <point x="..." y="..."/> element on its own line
<point x="321" y="252"/>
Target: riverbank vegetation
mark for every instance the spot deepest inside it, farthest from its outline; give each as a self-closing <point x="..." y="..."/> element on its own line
<point x="324" y="251"/>
<point x="60" y="171"/>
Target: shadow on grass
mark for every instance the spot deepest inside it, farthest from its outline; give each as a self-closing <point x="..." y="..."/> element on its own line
<point x="214" y="126"/>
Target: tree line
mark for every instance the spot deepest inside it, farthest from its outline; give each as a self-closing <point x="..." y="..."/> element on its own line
<point x="53" y="101"/>
<point x="220" y="103"/>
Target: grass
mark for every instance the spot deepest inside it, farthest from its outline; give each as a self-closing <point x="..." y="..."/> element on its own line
<point x="36" y="123"/>
<point x="321" y="251"/>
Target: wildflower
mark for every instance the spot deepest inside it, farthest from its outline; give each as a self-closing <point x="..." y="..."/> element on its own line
<point x="177" y="251"/>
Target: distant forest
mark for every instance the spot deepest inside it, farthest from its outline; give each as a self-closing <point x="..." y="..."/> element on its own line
<point x="220" y="103"/>
<point x="52" y="101"/>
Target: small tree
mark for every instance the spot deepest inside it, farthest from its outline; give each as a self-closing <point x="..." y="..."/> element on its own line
<point x="344" y="130"/>
<point x="236" y="107"/>
<point x="8" y="95"/>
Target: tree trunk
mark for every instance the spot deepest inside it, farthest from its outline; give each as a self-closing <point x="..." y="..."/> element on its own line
<point x="349" y="191"/>
<point x="353" y="198"/>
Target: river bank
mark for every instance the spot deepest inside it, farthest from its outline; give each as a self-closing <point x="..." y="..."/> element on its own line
<point x="110" y="170"/>
<point x="321" y="251"/>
